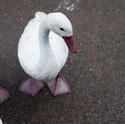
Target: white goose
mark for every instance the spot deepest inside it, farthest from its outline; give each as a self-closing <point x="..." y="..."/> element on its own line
<point x="43" y="51"/>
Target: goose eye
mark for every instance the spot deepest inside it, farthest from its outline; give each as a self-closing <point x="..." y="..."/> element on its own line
<point x="61" y="29"/>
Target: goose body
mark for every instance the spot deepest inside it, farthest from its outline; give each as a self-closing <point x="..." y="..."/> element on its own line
<point x="43" y="51"/>
<point x="41" y="58"/>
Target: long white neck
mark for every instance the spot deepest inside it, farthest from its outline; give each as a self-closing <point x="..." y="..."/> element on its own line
<point x="44" y="34"/>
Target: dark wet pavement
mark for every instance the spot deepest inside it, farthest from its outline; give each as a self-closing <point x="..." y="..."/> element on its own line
<point x="96" y="75"/>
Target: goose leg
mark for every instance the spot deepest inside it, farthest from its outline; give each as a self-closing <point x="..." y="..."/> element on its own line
<point x="58" y="85"/>
<point x="3" y="95"/>
<point x="31" y="86"/>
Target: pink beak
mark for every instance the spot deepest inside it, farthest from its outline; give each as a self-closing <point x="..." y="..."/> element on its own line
<point x="70" y="43"/>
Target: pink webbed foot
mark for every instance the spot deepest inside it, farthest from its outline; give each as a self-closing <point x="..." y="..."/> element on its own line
<point x="58" y="86"/>
<point x="3" y="95"/>
<point x="31" y="86"/>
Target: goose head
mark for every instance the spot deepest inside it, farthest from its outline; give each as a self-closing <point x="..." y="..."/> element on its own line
<point x="62" y="26"/>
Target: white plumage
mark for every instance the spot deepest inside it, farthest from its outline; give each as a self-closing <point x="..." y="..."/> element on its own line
<point x="41" y="52"/>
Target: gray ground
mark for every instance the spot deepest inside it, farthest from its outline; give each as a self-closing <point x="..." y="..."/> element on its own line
<point x="96" y="75"/>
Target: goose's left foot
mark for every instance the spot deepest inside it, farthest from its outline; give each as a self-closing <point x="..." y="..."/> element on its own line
<point x="58" y="85"/>
<point x="31" y="86"/>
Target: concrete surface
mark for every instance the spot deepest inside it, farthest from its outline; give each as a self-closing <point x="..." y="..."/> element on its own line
<point x="96" y="75"/>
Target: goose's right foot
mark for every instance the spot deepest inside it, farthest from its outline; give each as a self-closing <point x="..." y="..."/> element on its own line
<point x="3" y="95"/>
<point x="31" y="86"/>
<point x="58" y="85"/>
